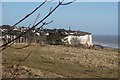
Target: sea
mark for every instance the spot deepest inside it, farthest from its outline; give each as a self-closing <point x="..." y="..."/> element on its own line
<point x="106" y="40"/>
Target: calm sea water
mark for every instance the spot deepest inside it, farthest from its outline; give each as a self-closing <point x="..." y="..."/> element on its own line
<point x="107" y="41"/>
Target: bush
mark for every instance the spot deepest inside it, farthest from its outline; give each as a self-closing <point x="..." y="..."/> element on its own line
<point x="55" y="38"/>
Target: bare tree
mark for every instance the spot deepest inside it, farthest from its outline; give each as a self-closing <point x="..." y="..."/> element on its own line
<point x="42" y="22"/>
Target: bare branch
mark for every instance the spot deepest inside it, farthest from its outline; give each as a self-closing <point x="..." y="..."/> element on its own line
<point x="68" y="2"/>
<point x="36" y="19"/>
<point x="50" y="1"/>
<point x="21" y="47"/>
<point x="60" y="2"/>
<point x="29" y="13"/>
<point x="15" y="72"/>
<point x="5" y="47"/>
<point x="48" y="22"/>
<point x="21" y="60"/>
<point x="50" y="9"/>
<point x="26" y="56"/>
<point x="44" y="23"/>
<point x="13" y="43"/>
<point x="29" y="25"/>
<point x="35" y="24"/>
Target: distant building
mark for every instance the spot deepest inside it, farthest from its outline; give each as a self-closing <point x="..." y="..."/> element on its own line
<point x="37" y="35"/>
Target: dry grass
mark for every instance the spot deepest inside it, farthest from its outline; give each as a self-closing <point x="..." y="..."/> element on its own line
<point x="67" y="61"/>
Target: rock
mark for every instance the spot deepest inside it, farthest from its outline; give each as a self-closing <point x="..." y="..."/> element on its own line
<point x="98" y="47"/>
<point x="14" y="66"/>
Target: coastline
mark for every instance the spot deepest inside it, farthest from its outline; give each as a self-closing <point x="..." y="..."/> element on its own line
<point x="107" y="41"/>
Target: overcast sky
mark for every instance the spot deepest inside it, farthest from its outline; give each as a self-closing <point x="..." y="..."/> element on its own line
<point x="99" y="18"/>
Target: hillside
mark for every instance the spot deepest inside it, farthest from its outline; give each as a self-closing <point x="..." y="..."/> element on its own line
<point x="51" y="61"/>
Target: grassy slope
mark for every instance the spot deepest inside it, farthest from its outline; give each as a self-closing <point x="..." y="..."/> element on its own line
<point x="67" y="61"/>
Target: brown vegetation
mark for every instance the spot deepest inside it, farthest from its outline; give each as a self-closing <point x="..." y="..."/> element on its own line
<point x="64" y="61"/>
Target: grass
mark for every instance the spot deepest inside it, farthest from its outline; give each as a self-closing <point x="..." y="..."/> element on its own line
<point x="67" y="61"/>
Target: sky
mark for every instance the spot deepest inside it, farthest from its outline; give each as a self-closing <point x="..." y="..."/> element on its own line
<point x="99" y="18"/>
<point x="0" y="13"/>
<point x="58" y="0"/>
